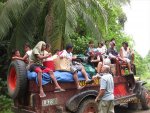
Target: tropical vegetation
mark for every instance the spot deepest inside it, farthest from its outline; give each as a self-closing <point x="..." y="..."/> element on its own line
<point x="59" y="22"/>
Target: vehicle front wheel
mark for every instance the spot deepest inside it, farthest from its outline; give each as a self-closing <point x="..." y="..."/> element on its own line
<point x="88" y="106"/>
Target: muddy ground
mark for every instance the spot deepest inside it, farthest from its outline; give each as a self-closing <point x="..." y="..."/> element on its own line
<point x="124" y="109"/>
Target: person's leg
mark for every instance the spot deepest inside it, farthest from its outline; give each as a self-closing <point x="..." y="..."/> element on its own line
<point x="132" y="58"/>
<point x="75" y="77"/>
<point x="99" y="67"/>
<point x="54" y="79"/>
<point x="111" y="107"/>
<point x="39" y="72"/>
<point x="84" y="73"/>
<point x="129" y="65"/>
<point x="87" y="80"/>
<point x="102" y="107"/>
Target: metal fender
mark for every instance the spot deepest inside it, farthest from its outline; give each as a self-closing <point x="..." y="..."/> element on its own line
<point x="73" y="103"/>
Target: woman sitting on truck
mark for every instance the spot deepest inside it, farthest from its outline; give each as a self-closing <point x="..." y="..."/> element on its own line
<point x="98" y="61"/>
<point x="37" y="57"/>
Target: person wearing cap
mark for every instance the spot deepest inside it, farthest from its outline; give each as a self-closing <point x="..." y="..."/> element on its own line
<point x="74" y="69"/>
<point x="112" y="52"/>
<point x="112" y="40"/>
<point x="105" y="97"/>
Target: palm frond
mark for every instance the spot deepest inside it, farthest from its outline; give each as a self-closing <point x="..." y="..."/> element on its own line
<point x="90" y="12"/>
<point x="55" y="24"/>
<point x="24" y="30"/>
<point x="71" y="17"/>
<point x="69" y="11"/>
<point x="10" y="14"/>
<point x="1" y="7"/>
<point x="118" y="2"/>
<point x="99" y="16"/>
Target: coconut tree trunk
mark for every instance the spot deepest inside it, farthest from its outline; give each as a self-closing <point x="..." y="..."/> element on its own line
<point x="55" y="24"/>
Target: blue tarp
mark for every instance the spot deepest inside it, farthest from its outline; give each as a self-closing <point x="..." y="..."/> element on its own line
<point x="60" y="76"/>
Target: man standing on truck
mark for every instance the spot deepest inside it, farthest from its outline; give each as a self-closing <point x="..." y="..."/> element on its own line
<point x="106" y="93"/>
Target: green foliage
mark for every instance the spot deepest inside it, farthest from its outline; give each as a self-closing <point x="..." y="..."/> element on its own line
<point x="80" y="43"/>
<point x="5" y="101"/>
<point x="4" y="59"/>
<point x="10" y="15"/>
<point x="25" y="27"/>
<point x="6" y="111"/>
<point x="142" y="65"/>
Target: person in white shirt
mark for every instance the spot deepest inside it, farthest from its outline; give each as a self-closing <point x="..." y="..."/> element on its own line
<point x="125" y="55"/>
<point x="68" y="54"/>
<point x="102" y="49"/>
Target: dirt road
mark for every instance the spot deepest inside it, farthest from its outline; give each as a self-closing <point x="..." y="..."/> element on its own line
<point x="126" y="110"/>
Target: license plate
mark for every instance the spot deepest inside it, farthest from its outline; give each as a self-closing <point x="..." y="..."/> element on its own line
<point x="49" y="102"/>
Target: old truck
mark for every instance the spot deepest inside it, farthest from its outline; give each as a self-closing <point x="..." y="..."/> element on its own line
<point x="26" y="98"/>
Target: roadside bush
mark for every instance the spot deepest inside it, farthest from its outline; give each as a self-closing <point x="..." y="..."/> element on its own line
<point x="5" y="101"/>
<point x="80" y="43"/>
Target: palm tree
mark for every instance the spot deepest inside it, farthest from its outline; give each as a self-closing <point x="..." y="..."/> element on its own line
<point x="62" y="24"/>
<point x="19" y="19"/>
<point x="23" y="20"/>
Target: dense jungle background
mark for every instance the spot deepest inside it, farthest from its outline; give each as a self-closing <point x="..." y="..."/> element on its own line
<point x="59" y="22"/>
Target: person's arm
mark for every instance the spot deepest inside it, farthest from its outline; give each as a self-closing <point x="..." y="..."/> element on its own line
<point x="37" y="54"/>
<point x="16" y="58"/>
<point x="103" y="86"/>
<point x="63" y="54"/>
<point x="42" y="57"/>
<point x="100" y="94"/>
<point x="111" y="55"/>
<point x="97" y="60"/>
<point x="121" y="53"/>
<point x="20" y="58"/>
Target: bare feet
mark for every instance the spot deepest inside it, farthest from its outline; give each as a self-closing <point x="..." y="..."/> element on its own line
<point x="59" y="89"/>
<point x="42" y="94"/>
<point x="80" y="87"/>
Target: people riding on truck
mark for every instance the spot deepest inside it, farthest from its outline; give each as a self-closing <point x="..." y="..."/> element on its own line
<point x="15" y="54"/>
<point x="26" y="58"/>
<point x="74" y="67"/>
<point x="36" y="65"/>
<point x="126" y="55"/>
<point x="111" y="82"/>
<point x="41" y="52"/>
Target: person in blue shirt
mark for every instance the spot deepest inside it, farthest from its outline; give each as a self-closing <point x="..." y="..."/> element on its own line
<point x="106" y="93"/>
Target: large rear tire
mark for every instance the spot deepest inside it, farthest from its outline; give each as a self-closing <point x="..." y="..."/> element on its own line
<point x="17" y="79"/>
<point x="88" y="106"/>
<point x="145" y="99"/>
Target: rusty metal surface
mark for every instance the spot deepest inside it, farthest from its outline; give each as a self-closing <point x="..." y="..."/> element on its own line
<point x="56" y="101"/>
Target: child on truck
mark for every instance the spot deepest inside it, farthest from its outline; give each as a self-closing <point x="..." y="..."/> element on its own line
<point x="27" y="56"/>
<point x="15" y="54"/>
<point x="37" y="57"/>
